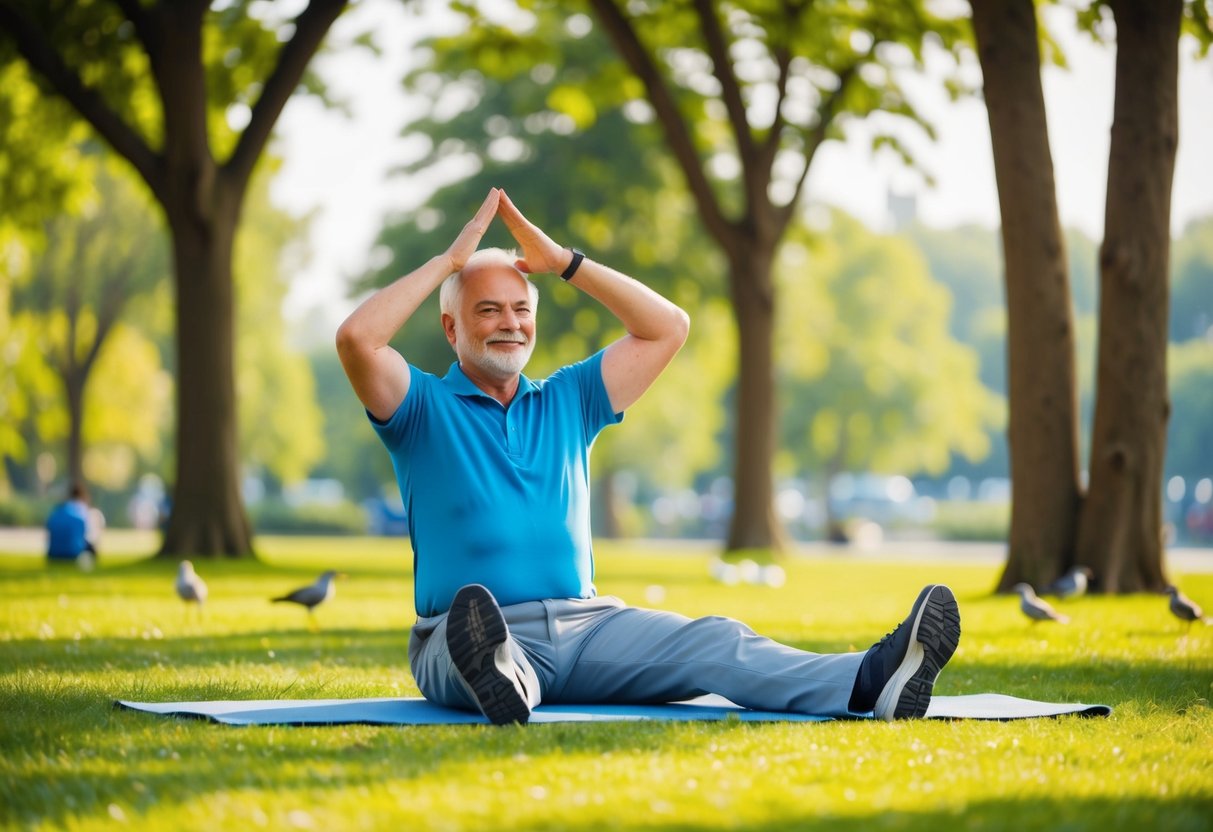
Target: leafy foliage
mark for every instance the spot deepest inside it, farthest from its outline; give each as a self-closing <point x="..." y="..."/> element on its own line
<point x="873" y="379"/>
<point x="1192" y="283"/>
<point x="281" y="430"/>
<point x="71" y="301"/>
<point x="1190" y="437"/>
<point x="42" y="167"/>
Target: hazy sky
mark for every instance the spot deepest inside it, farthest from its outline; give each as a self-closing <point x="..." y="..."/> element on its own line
<point x="337" y="167"/>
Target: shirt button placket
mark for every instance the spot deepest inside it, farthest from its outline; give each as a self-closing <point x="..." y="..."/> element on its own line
<point x="511" y="435"/>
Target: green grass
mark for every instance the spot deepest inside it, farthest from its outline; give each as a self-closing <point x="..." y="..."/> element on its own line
<point x="71" y="643"/>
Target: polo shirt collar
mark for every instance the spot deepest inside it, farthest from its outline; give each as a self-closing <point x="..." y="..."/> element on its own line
<point x="461" y="385"/>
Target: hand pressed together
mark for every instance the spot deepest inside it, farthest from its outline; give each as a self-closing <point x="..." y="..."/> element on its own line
<point x="539" y="252"/>
<point x="465" y="244"/>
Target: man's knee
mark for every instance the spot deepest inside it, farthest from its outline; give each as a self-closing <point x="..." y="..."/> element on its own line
<point x="721" y="625"/>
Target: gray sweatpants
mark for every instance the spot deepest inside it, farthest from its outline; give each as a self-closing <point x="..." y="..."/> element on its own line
<point x="600" y="650"/>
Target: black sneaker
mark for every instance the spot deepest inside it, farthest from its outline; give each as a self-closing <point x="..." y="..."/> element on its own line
<point x="475" y="629"/>
<point x="899" y="671"/>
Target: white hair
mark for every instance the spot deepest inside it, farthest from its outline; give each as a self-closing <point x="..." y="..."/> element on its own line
<point x="448" y="295"/>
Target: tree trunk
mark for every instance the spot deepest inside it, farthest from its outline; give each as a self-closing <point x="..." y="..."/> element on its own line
<point x="208" y="516"/>
<point x="1043" y="427"/>
<point x="606" y="515"/>
<point x="73" y="387"/>
<point x="1120" y="531"/>
<point x="754" y="524"/>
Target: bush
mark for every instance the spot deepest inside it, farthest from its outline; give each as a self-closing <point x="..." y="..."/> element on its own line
<point x="278" y="517"/>
<point x="971" y="520"/>
<point x="21" y="510"/>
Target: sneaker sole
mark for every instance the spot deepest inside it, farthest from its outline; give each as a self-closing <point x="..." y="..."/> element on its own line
<point x="933" y="640"/>
<point x="475" y="629"/>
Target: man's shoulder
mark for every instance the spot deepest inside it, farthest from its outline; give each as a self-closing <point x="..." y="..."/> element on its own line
<point x="577" y="372"/>
<point x="67" y="512"/>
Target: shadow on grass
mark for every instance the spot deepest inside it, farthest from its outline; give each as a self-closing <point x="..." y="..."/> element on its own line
<point x="1057" y="678"/>
<point x="54" y="579"/>
<point x="1011" y="814"/>
<point x="156" y="778"/>
<point x="281" y="648"/>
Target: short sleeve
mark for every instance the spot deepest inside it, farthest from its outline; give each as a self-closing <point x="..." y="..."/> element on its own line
<point x="595" y="402"/>
<point x="400" y="426"/>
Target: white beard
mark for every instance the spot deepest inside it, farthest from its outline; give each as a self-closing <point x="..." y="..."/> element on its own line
<point x="489" y="361"/>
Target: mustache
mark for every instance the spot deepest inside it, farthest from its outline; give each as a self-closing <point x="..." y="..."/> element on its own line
<point x="507" y="338"/>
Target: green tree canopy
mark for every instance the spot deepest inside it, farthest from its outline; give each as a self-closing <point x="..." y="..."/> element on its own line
<point x="43" y="166"/>
<point x="1192" y="282"/>
<point x="873" y="379"/>
<point x="1190" y="430"/>
<point x="281" y="424"/>
<point x="76" y="289"/>
<point x="188" y="93"/>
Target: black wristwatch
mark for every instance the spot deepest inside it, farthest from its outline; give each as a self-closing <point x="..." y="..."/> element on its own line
<point x="568" y="273"/>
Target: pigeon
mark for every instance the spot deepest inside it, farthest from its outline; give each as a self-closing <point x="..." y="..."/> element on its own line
<point x="1072" y="584"/>
<point x="190" y="587"/>
<point x="1036" y="609"/>
<point x="313" y="595"/>
<point x="1183" y="607"/>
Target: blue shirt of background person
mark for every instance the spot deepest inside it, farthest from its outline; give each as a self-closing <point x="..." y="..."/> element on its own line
<point x="67" y="527"/>
<point x="523" y="529"/>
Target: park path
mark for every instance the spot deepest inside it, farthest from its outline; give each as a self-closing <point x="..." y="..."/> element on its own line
<point x="32" y="542"/>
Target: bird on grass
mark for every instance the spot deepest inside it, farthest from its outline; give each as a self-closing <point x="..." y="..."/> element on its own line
<point x="1072" y="584"/>
<point x="313" y="595"/>
<point x="1036" y="609"/>
<point x="1184" y="608"/>
<point x="190" y="587"/>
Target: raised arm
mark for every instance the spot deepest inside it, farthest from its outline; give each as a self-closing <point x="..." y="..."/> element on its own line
<point x="379" y="374"/>
<point x="656" y="328"/>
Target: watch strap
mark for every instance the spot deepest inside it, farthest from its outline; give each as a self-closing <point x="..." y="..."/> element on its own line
<point x="568" y="273"/>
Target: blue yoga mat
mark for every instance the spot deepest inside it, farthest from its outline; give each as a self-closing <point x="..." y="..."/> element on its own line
<point x="417" y="711"/>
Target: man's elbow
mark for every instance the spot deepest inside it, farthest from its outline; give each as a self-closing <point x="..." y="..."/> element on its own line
<point x="350" y="341"/>
<point x="681" y="327"/>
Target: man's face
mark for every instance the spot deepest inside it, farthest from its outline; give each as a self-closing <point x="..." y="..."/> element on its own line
<point x="494" y="326"/>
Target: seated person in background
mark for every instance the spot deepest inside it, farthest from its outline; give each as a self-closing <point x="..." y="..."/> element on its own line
<point x="68" y="526"/>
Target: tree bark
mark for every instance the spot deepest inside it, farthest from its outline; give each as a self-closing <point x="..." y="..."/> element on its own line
<point x="606" y="514"/>
<point x="753" y="524"/>
<point x="74" y="391"/>
<point x="1043" y="426"/>
<point x="208" y="514"/>
<point x="1120" y="530"/>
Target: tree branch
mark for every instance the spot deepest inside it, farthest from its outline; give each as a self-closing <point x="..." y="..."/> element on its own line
<point x="33" y="45"/>
<point x="770" y="147"/>
<point x="137" y="15"/>
<point x="827" y="110"/>
<point x="730" y="89"/>
<point x="793" y="12"/>
<point x="677" y="133"/>
<point x="311" y="26"/>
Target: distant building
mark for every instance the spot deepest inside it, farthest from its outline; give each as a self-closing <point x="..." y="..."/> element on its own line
<point x="903" y="210"/>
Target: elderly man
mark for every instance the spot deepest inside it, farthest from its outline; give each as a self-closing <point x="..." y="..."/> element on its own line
<point x="494" y="471"/>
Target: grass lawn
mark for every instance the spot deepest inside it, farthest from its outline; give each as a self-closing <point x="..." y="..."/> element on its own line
<point x="72" y="642"/>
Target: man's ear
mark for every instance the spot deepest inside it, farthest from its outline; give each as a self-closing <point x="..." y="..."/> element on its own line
<point x="448" y="326"/>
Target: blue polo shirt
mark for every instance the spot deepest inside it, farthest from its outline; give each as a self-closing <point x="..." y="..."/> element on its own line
<point x="499" y="496"/>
